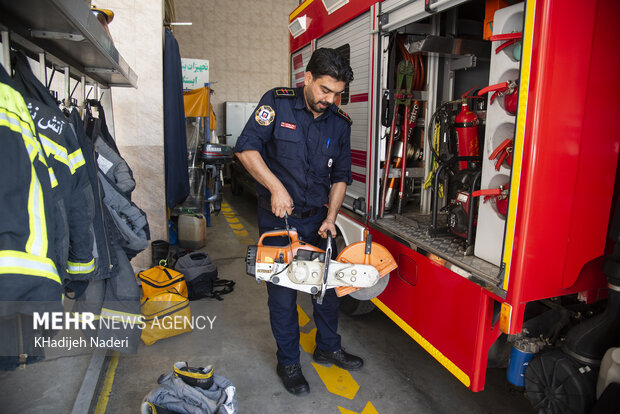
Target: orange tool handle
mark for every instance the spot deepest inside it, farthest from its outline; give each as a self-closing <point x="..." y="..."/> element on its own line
<point x="275" y="233"/>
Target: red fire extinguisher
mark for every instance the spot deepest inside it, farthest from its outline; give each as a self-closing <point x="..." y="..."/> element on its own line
<point x="466" y="125"/>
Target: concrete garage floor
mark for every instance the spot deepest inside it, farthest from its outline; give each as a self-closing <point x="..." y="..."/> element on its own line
<point x="398" y="376"/>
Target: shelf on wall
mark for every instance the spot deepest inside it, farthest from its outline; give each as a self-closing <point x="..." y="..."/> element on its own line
<point x="70" y="33"/>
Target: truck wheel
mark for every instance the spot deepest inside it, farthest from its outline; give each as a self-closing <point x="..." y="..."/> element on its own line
<point x="557" y="384"/>
<point x="353" y="307"/>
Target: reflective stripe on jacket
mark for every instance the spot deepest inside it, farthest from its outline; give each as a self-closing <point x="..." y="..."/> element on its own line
<point x="27" y="222"/>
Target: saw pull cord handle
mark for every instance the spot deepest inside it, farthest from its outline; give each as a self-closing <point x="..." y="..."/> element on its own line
<point x="328" y="258"/>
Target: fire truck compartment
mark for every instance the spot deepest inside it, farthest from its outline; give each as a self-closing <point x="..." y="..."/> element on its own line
<point x="412" y="230"/>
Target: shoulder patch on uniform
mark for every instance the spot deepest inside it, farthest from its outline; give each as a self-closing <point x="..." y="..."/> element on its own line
<point x="284" y="92"/>
<point x="264" y="115"/>
<point x="344" y="115"/>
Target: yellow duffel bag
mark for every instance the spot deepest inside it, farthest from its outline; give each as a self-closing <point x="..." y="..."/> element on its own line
<point x="165" y="314"/>
<point x="160" y="279"/>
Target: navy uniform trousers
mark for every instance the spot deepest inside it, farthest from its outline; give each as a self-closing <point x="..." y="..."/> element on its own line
<point x="282" y="301"/>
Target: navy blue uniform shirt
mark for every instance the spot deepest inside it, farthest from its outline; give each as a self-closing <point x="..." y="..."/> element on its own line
<point x="307" y="154"/>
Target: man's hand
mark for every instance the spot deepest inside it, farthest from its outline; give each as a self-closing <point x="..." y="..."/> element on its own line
<point x="328" y="224"/>
<point x="336" y="196"/>
<point x="281" y="202"/>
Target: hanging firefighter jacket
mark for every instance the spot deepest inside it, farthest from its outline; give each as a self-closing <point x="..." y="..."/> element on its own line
<point x="123" y="233"/>
<point x="103" y="127"/>
<point x="70" y="186"/>
<point x="105" y="260"/>
<point x="29" y="280"/>
<point x="130" y="220"/>
<point x="27" y="212"/>
<point x="109" y="158"/>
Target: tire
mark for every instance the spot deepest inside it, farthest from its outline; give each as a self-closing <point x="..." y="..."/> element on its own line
<point x="353" y="307"/>
<point x="557" y="384"/>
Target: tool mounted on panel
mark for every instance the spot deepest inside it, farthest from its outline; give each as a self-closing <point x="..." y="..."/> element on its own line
<point x="509" y="39"/>
<point x="503" y="153"/>
<point x="508" y="90"/>
<point x="498" y="197"/>
<point x="402" y="97"/>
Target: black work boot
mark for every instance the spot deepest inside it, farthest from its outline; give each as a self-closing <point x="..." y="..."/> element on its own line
<point x="293" y="379"/>
<point x="339" y="358"/>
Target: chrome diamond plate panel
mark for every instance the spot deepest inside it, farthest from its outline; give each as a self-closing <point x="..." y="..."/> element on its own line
<point x="413" y="230"/>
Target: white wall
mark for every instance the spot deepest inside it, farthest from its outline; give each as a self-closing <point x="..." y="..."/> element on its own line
<point x="137" y="31"/>
<point x="245" y="41"/>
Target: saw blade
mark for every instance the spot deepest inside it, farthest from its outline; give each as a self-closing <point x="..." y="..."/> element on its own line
<point x="373" y="291"/>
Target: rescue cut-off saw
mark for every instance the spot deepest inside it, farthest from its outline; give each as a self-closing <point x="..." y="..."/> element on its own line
<point x="307" y="268"/>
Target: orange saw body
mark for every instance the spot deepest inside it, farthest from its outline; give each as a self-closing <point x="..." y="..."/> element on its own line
<point x="307" y="268"/>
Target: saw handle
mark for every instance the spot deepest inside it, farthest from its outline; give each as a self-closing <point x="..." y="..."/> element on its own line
<point x="368" y="247"/>
<point x="328" y="258"/>
<point x="277" y="233"/>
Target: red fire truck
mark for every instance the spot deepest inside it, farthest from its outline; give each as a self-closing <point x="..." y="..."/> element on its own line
<point x="484" y="156"/>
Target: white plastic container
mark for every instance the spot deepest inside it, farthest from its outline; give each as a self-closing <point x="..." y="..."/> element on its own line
<point x="192" y="231"/>
<point x="610" y="370"/>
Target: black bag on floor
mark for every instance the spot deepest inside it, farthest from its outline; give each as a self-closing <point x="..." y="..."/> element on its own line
<point x="201" y="276"/>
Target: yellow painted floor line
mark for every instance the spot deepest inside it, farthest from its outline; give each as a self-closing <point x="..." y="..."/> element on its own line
<point x="104" y="395"/>
<point x="308" y="341"/>
<point x="369" y="409"/>
<point x="303" y="318"/>
<point x="247" y="241"/>
<point x="235" y="225"/>
<point x="337" y="380"/>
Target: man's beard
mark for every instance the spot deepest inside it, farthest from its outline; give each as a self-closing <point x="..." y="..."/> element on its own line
<point x="314" y="105"/>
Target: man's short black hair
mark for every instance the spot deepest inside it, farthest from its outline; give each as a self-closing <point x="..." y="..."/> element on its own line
<point x="329" y="62"/>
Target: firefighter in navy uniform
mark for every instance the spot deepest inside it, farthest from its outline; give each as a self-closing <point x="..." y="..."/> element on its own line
<point x="297" y="147"/>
